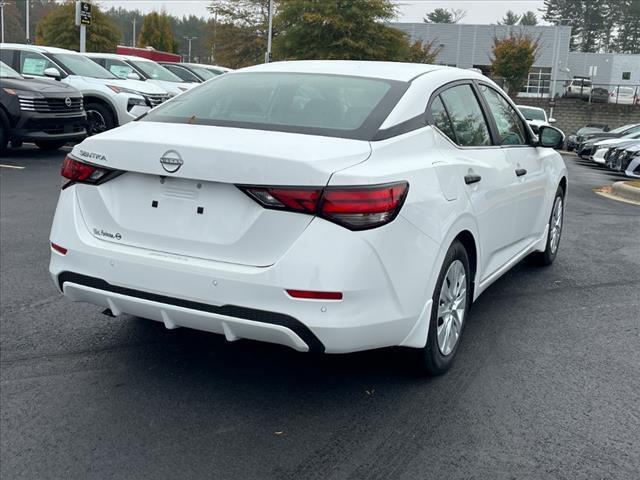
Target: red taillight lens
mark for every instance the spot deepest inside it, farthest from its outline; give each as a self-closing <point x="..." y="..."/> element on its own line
<point x="355" y="208"/>
<point x="77" y="171"/>
<point x="360" y="208"/>
<point x="312" y="295"/>
<point x="304" y="200"/>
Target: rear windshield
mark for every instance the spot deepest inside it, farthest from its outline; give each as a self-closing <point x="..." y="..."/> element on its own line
<point x="330" y="105"/>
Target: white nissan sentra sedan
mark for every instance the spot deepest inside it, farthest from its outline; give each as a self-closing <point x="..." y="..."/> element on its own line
<point x="328" y="206"/>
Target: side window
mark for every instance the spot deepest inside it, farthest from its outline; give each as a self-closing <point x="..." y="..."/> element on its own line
<point x="6" y="56"/>
<point x="441" y="119"/>
<point x="32" y="63"/>
<point x="510" y="126"/>
<point x="119" y="69"/>
<point x="467" y="120"/>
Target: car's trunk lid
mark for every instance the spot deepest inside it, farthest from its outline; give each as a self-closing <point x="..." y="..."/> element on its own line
<point x="197" y="210"/>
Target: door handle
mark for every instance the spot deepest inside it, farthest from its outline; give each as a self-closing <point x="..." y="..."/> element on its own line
<point x="469" y="179"/>
<point x="520" y="172"/>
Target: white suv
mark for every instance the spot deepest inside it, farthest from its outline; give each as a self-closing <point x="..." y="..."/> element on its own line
<point x="109" y="101"/>
<point x="127" y="66"/>
<point x="327" y="206"/>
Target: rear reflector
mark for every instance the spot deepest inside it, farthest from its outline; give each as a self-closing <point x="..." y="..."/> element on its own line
<point x="355" y="208"/>
<point x="58" y="248"/>
<point x="315" y="295"/>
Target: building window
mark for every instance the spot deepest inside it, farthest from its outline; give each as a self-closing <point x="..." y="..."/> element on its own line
<point x="626" y="75"/>
<point x="538" y="82"/>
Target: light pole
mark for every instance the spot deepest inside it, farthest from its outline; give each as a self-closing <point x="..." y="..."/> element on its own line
<point x="270" y="34"/>
<point x="189" y="39"/>
<point x="27" y="7"/>
<point x="215" y="28"/>
<point x="134" y="32"/>
<point x="2" y="4"/>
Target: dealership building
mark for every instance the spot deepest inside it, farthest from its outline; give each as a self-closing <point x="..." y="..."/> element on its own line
<point x="469" y="46"/>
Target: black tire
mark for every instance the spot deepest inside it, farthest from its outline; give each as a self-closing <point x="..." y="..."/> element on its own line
<point x="546" y="258"/>
<point x="4" y="132"/>
<point x="431" y="359"/>
<point x="50" y="144"/>
<point x="99" y="118"/>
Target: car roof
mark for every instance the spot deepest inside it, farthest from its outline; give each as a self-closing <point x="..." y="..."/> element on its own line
<point x="36" y="48"/>
<point x="118" y="56"/>
<point x="403" y="72"/>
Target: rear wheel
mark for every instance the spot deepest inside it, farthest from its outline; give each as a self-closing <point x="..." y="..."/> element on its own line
<point x="50" y="144"/>
<point x="99" y="118"/>
<point x="4" y="132"/>
<point x="555" y="232"/>
<point x="451" y="303"/>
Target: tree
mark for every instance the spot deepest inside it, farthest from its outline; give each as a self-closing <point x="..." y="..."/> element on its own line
<point x="628" y="37"/>
<point x="58" y="29"/>
<point x="510" y="18"/>
<point x="529" y="18"/>
<point x="13" y="24"/>
<point x="442" y="15"/>
<point x="590" y="21"/>
<point x="156" y="32"/>
<point x="242" y="26"/>
<point x="513" y="57"/>
<point x="345" y="29"/>
<point x="124" y="18"/>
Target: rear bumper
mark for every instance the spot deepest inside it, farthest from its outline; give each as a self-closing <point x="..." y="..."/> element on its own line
<point x="383" y="275"/>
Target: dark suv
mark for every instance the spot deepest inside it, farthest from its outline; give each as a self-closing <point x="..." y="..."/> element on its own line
<point x="45" y="112"/>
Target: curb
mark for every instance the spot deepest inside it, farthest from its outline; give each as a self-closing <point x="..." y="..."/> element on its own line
<point x="626" y="191"/>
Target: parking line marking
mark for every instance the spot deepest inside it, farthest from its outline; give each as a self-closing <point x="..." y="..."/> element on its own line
<point x="17" y="167"/>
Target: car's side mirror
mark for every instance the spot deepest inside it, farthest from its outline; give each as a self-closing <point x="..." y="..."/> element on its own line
<point x="550" y="137"/>
<point x="552" y="120"/>
<point x="133" y="76"/>
<point x="52" y="72"/>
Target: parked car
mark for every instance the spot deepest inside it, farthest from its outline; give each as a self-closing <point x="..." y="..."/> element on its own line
<point x="586" y="148"/>
<point x="314" y="205"/>
<point x="631" y="161"/>
<point x="573" y="140"/>
<point x="108" y="100"/>
<point x="599" y="95"/>
<point x="579" y="87"/>
<point x="48" y="113"/>
<point x="535" y="117"/>
<point x="130" y="67"/>
<point x="194" y="72"/>
<point x="603" y="147"/>
<point x="625" y="95"/>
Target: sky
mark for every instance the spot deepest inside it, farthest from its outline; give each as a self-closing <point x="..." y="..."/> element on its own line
<point x="478" y="11"/>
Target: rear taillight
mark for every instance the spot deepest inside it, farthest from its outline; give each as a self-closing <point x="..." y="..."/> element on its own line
<point x="353" y="207"/>
<point x="80" y="172"/>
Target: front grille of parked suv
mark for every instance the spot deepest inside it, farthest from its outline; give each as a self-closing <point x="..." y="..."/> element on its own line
<point x="153" y="100"/>
<point x="52" y="105"/>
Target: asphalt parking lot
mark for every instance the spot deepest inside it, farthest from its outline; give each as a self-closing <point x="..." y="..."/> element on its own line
<point x="546" y="382"/>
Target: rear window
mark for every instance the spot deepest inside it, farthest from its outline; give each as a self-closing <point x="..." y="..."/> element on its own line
<point x="330" y="105"/>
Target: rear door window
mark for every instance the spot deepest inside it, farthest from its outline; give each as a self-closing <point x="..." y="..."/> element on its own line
<point x="32" y="63"/>
<point x="467" y="120"/>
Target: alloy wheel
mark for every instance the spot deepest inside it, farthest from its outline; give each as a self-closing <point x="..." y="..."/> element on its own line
<point x="556" y="225"/>
<point x="451" y="307"/>
<point x="97" y="123"/>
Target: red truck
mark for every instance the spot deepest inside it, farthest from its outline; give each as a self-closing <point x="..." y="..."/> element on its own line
<point x="150" y="53"/>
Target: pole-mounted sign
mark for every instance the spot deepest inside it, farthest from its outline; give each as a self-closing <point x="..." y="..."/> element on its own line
<point x="83" y="13"/>
<point x="83" y="20"/>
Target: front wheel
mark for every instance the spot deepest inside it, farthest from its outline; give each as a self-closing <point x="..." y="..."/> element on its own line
<point x="99" y="118"/>
<point x="451" y="303"/>
<point x="556" y="222"/>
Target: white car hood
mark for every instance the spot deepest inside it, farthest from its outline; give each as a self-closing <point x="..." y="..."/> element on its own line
<point x="136" y="85"/>
<point x="615" y="142"/>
